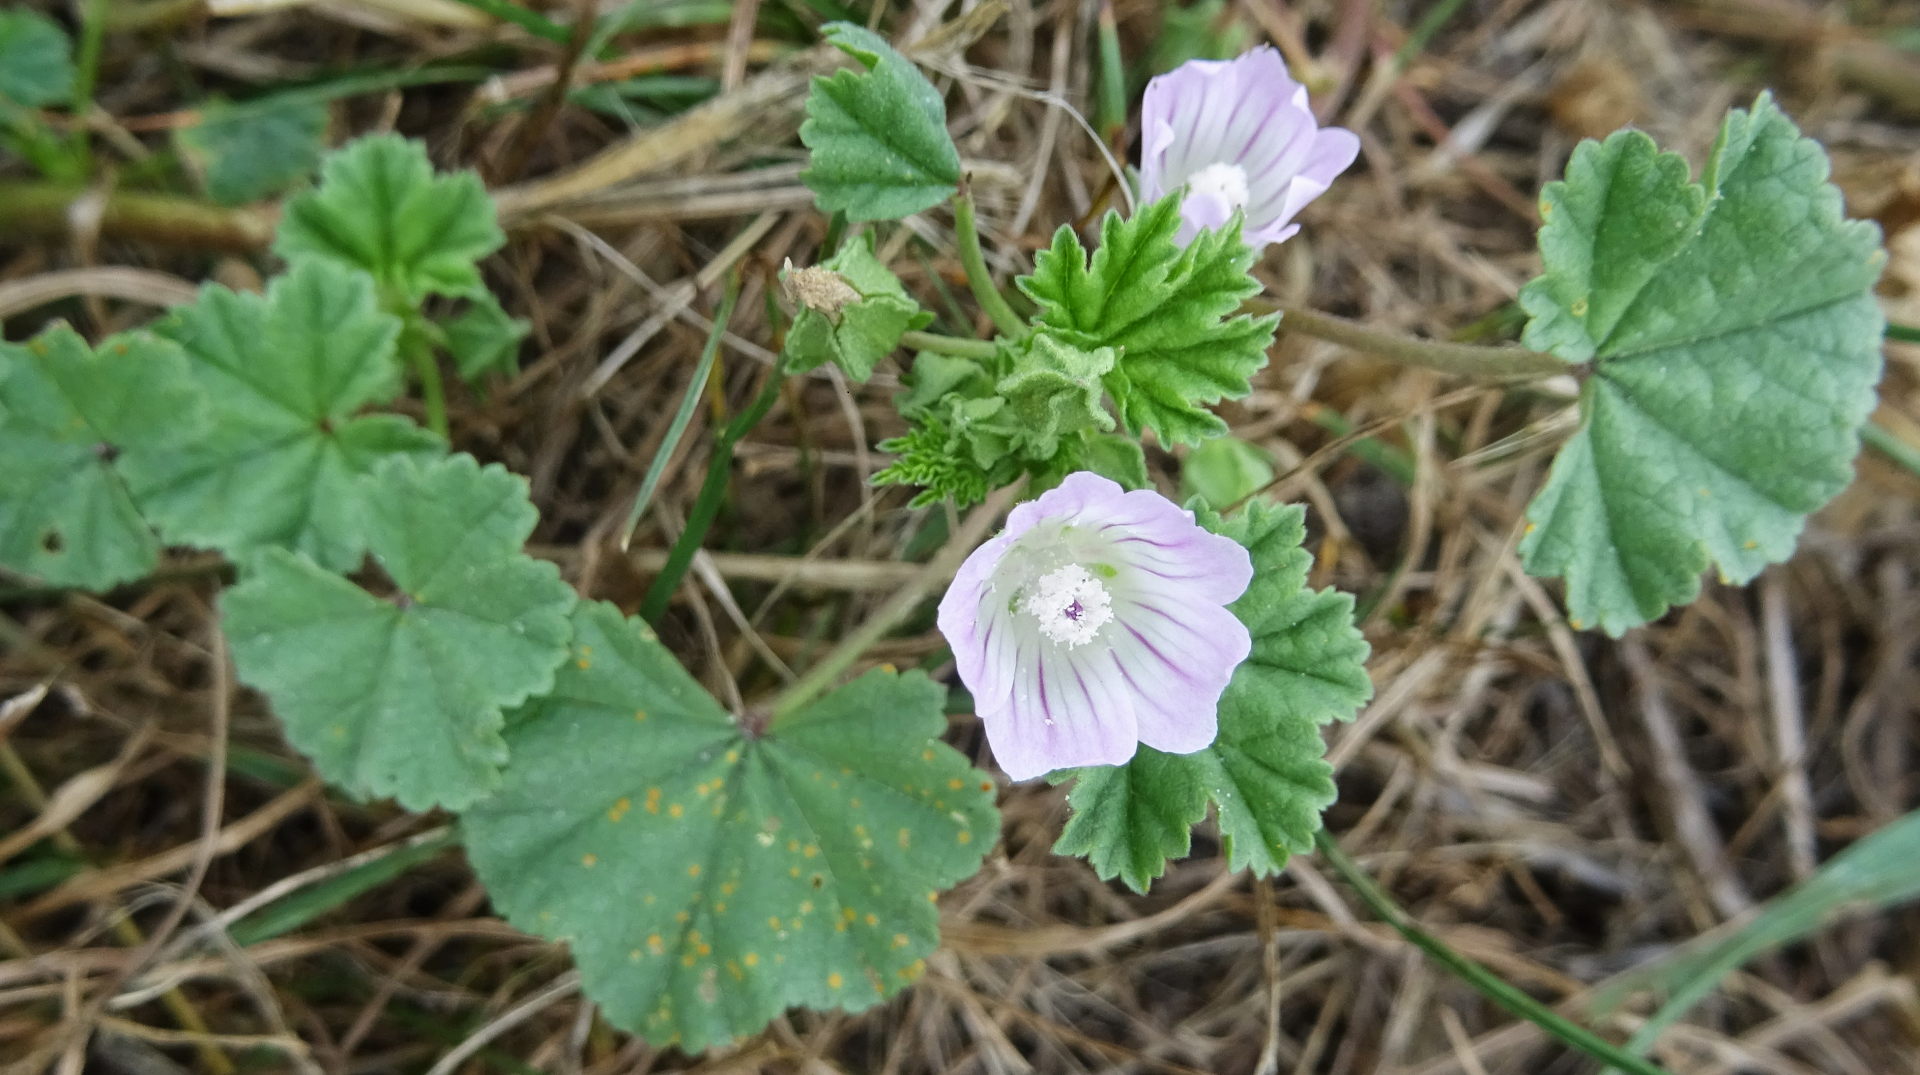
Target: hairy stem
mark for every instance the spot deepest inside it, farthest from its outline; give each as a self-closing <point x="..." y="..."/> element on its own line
<point x="41" y="210"/>
<point x="1475" y="975"/>
<point x="1462" y="358"/>
<point x="433" y="394"/>
<point x="975" y="262"/>
<point x="980" y="350"/>
<point x="901" y="605"/>
<point x="712" y="491"/>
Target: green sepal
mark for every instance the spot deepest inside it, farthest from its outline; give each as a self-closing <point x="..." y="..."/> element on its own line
<point x="860" y="315"/>
<point x="402" y="696"/>
<point x="68" y="414"/>
<point x="1168" y="311"/>
<point x="879" y="142"/>
<point x="705" y="877"/>
<point x="287" y="377"/>
<point x="381" y="208"/>
<point x="1733" y="344"/>
<point x="1265" y="773"/>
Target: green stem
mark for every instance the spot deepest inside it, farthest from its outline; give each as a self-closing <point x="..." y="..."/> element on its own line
<point x="41" y="209"/>
<point x="979" y="350"/>
<point x="86" y="74"/>
<point x="975" y="263"/>
<point x="1475" y="975"/>
<point x="1903" y="333"/>
<point x="432" y="392"/>
<point x="689" y="403"/>
<point x="1461" y="358"/>
<point x="819" y="678"/>
<point x="712" y="491"/>
<point x="1891" y="446"/>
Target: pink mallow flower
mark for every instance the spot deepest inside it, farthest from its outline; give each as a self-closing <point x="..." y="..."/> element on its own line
<point x="1096" y="621"/>
<point x="1238" y="135"/>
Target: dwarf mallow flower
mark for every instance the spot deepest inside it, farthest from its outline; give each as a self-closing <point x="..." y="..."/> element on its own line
<point x="1097" y="621"/>
<point x="1238" y="135"/>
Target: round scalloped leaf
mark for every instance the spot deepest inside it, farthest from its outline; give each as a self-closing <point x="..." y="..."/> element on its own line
<point x="1734" y="345"/>
<point x="879" y="142"/>
<point x="381" y="208"/>
<point x="285" y="377"/>
<point x="706" y="879"/>
<point x="65" y="411"/>
<point x="36" y="59"/>
<point x="1264" y="772"/>
<point x="401" y="696"/>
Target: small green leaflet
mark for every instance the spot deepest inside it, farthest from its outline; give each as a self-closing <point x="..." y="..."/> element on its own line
<point x="1167" y="311"/>
<point x="706" y="879"/>
<point x="65" y="412"/>
<point x="379" y="207"/>
<point x="249" y="151"/>
<point x="286" y="377"/>
<point x="1223" y="470"/>
<point x="852" y="311"/>
<point x="1734" y="345"/>
<point x="1053" y="392"/>
<point x="1265" y="772"/>
<point x="36" y="59"/>
<point x="484" y="339"/>
<point x="402" y="696"/>
<point x="879" y="139"/>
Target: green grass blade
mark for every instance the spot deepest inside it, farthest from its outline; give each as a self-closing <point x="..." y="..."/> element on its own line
<point x="299" y="908"/>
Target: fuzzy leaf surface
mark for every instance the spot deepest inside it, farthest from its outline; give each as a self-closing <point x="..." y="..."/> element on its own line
<point x="402" y="697"/>
<point x="1735" y="344"/>
<point x="285" y="376"/>
<point x="36" y="59"/>
<point x="66" y="517"/>
<point x="706" y="880"/>
<point x="1168" y="311"/>
<point x="250" y="151"/>
<point x="381" y="208"/>
<point x="1266" y="772"/>
<point x="879" y="142"/>
<point x="872" y="313"/>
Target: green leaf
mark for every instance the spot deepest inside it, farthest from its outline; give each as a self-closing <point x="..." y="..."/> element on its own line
<point x="706" y="878"/>
<point x="1265" y="772"/>
<point x="936" y="376"/>
<point x="36" y="59"/>
<point x="286" y="377"/>
<point x="1734" y="344"/>
<point x="250" y="151"/>
<point x="379" y="207"/>
<point x="1223" y="470"/>
<point x="852" y="311"/>
<point x="879" y="139"/>
<point x="1053" y="391"/>
<point x="1117" y="458"/>
<point x="65" y="412"/>
<point x="402" y="696"/>
<point x="939" y="460"/>
<point x="1168" y="311"/>
<point x="484" y="339"/>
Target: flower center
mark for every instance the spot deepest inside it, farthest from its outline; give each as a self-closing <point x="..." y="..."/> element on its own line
<point x="1070" y="605"/>
<point x="1228" y="182"/>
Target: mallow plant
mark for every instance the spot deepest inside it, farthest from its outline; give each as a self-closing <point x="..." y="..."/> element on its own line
<point x="709" y="868"/>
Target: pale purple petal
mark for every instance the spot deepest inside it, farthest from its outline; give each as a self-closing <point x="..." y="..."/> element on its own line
<point x="1247" y="113"/>
<point x="1096" y="622"/>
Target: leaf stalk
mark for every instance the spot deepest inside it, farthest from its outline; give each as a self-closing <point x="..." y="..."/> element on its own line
<point x="1475" y="975"/>
<point x="979" y="350"/>
<point x="975" y="263"/>
<point x="1465" y="359"/>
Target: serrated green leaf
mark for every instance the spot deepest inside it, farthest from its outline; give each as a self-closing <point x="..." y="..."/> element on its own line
<point x="484" y="339"/>
<point x="402" y="697"/>
<point x="860" y="319"/>
<point x="1265" y="772"/>
<point x="1223" y="470"/>
<point x="706" y="879"/>
<point x="1734" y="345"/>
<point x="286" y="377"/>
<point x="1053" y="391"/>
<point x="250" y="151"/>
<point x="879" y="142"/>
<point x="36" y="59"/>
<point x="1168" y="311"/>
<point x="381" y="208"/>
<point x="65" y="412"/>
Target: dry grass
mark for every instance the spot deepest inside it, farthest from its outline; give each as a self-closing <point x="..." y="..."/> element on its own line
<point x="1556" y="804"/>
